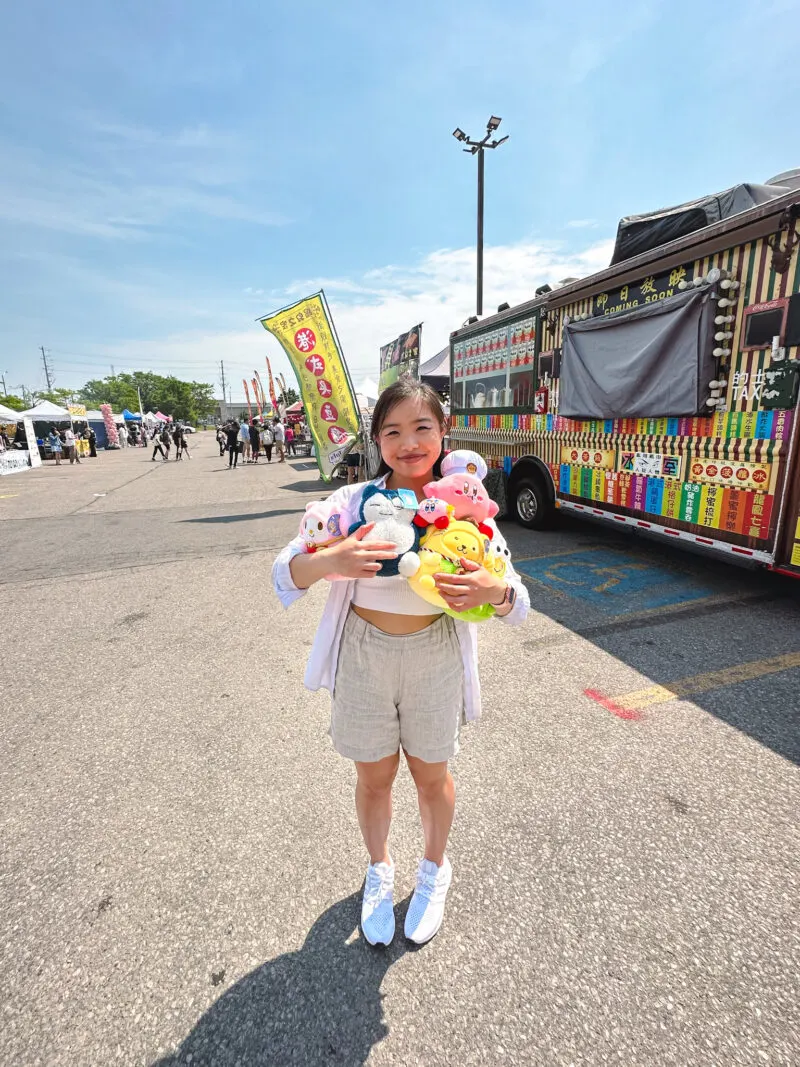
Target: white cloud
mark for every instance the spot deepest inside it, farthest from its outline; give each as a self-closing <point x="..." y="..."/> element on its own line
<point x="581" y="224"/>
<point x="127" y="182"/>
<point x="438" y="291"/>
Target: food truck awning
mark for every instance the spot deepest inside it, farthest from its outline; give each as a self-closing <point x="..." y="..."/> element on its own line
<point x="640" y="233"/>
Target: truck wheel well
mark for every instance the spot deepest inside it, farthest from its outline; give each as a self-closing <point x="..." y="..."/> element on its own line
<point x="532" y="467"/>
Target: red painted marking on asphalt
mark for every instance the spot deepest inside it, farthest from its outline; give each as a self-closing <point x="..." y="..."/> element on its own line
<point x="609" y="705"/>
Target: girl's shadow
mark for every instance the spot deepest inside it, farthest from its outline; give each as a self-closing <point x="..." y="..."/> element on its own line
<point x="319" y="1005"/>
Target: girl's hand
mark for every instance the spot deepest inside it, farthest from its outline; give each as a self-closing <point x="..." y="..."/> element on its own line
<point x="464" y="591"/>
<point x="355" y="558"/>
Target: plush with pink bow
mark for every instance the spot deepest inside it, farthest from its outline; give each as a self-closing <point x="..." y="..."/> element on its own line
<point x="461" y="485"/>
<point x="321" y="527"/>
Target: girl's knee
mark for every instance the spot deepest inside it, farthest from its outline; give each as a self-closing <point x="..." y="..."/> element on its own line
<point x="428" y="777"/>
<point x="378" y="777"/>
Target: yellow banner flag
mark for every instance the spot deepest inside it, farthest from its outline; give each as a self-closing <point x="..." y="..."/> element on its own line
<point x="305" y="332"/>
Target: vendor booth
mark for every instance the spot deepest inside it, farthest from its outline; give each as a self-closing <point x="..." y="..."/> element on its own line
<point x="44" y="415"/>
<point x="18" y="448"/>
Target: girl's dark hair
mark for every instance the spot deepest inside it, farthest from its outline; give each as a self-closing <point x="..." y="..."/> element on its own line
<point x="407" y="388"/>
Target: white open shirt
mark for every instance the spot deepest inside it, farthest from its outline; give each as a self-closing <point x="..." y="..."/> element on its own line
<point x="324" y="656"/>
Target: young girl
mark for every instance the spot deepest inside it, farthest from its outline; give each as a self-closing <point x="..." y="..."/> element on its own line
<point x="402" y="673"/>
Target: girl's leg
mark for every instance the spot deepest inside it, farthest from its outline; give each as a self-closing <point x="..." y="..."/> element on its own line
<point x="374" y="804"/>
<point x="436" y="793"/>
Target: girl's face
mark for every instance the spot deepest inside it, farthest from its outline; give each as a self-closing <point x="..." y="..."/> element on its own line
<point x="410" y="439"/>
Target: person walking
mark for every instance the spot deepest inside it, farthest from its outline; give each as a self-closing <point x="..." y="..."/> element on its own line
<point x="233" y="443"/>
<point x="71" y="447"/>
<point x="279" y="435"/>
<point x="267" y="439"/>
<point x="166" y="441"/>
<point x="221" y="440"/>
<point x="400" y="671"/>
<point x="158" y="447"/>
<point x="244" y="441"/>
<point x="185" y="443"/>
<point x="255" y="439"/>
<point x="92" y="438"/>
<point x="54" y="441"/>
<point x="289" y="434"/>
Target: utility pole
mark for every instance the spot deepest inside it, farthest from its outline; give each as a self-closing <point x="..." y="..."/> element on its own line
<point x="477" y="148"/>
<point x="47" y="371"/>
<point x="222" y="377"/>
<point x="3" y="377"/>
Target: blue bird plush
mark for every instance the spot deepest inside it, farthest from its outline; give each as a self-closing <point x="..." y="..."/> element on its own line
<point x="394" y="521"/>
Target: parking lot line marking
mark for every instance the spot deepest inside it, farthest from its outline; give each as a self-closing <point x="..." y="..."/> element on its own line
<point x="630" y="705"/>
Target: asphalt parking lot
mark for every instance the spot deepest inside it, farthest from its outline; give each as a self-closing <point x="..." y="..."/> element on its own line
<point x="180" y="861"/>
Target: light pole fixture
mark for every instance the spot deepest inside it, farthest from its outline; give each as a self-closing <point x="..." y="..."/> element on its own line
<point x="477" y="148"/>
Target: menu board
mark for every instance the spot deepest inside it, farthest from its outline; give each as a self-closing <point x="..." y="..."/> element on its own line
<point x="494" y="369"/>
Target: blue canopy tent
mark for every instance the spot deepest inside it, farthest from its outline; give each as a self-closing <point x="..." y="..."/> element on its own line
<point x="129" y="416"/>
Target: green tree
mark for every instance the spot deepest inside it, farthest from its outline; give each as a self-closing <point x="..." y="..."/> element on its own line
<point x="291" y="396"/>
<point x="185" y="401"/>
<point x="16" y="403"/>
<point x="62" y="397"/>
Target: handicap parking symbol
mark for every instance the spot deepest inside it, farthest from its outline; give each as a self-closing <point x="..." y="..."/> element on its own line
<point x="614" y="582"/>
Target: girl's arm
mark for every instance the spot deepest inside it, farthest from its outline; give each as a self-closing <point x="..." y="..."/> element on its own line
<point x="295" y="570"/>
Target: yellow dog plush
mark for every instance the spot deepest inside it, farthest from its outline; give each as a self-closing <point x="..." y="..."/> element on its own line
<point x="441" y="550"/>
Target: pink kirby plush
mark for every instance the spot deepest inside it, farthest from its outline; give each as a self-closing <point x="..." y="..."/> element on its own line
<point x="320" y="528"/>
<point x="461" y="485"/>
<point x="433" y="512"/>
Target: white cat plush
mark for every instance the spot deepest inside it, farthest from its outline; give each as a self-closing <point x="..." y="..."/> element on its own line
<point x="394" y="521"/>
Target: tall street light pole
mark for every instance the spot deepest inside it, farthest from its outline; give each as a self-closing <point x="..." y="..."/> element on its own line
<point x="477" y="148"/>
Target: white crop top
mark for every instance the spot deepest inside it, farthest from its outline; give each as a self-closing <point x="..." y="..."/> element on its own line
<point x="393" y="595"/>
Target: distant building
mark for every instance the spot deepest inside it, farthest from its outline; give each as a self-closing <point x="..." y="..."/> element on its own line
<point x="236" y="409"/>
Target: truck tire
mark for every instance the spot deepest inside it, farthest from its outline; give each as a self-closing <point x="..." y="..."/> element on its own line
<point x="531" y="508"/>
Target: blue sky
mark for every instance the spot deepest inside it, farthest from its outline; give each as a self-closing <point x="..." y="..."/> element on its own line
<point x="172" y="170"/>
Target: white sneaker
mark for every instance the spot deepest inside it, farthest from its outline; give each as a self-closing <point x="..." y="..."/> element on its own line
<point x="377" y="906"/>
<point x="426" y="910"/>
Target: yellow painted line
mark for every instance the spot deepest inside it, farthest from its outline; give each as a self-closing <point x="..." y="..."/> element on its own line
<point x="703" y="683"/>
<point x="7" y="496"/>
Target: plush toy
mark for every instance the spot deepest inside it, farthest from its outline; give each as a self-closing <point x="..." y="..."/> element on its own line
<point x="320" y="528"/>
<point x="392" y="511"/>
<point x="461" y="485"/>
<point x="497" y="559"/>
<point x="441" y="550"/>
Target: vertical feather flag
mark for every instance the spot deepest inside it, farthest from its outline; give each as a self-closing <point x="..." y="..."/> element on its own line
<point x="272" y="396"/>
<point x="247" y="394"/>
<point x="261" y="391"/>
<point x="254" y="384"/>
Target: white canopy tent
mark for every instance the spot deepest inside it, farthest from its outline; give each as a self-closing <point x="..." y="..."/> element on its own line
<point x="44" y="411"/>
<point x="9" y="414"/>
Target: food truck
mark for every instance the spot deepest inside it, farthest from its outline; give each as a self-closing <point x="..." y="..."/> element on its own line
<point x="660" y="393"/>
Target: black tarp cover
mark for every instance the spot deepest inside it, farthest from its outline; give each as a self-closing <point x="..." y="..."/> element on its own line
<point x="652" y="362"/>
<point x="640" y="233"/>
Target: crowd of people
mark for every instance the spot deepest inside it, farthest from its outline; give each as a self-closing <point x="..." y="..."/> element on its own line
<point x="65" y="443"/>
<point x="163" y="438"/>
<point x="250" y="439"/>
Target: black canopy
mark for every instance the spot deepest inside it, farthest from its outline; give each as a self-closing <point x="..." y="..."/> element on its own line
<point x="640" y="233"/>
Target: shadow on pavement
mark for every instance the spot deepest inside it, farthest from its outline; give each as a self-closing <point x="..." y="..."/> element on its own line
<point x="677" y="618"/>
<point x="244" y="518"/>
<point x="319" y="1005"/>
<point x="317" y="486"/>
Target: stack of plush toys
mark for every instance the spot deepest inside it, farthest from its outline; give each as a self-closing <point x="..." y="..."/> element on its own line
<point x="431" y="538"/>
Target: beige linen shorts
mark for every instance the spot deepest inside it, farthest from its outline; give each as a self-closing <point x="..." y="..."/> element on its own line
<point x="397" y="690"/>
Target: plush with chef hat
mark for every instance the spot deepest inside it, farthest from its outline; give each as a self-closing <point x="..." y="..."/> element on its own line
<point x="461" y="485"/>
